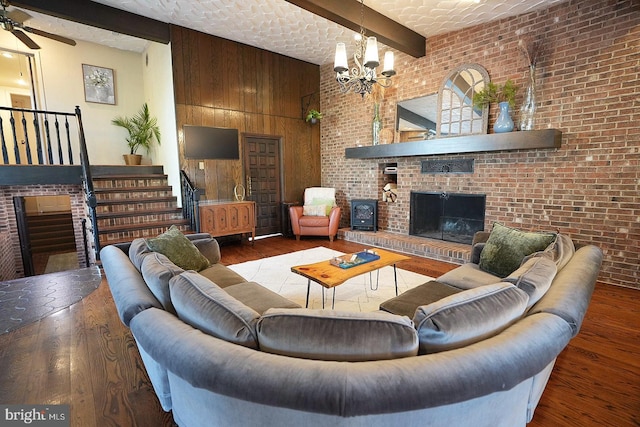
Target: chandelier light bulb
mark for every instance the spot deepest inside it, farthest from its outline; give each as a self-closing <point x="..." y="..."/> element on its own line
<point x="340" y="62"/>
<point x="371" y="59"/>
<point x="388" y="69"/>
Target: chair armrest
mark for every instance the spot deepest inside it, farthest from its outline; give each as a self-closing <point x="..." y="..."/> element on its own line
<point x="334" y="220"/>
<point x="295" y="212"/>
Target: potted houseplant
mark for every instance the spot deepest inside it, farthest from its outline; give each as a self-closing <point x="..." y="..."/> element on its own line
<point x="313" y="116"/>
<point x="143" y="129"/>
<point x="505" y="96"/>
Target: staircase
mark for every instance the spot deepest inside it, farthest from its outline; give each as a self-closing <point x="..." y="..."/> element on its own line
<point x="51" y="232"/>
<point x="134" y="201"/>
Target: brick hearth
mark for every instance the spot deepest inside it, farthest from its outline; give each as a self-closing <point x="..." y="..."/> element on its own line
<point x="457" y="253"/>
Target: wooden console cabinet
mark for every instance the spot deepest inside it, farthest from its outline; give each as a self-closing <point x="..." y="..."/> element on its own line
<point x="223" y="218"/>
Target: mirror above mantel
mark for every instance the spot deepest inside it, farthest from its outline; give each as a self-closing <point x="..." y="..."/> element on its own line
<point x="450" y="112"/>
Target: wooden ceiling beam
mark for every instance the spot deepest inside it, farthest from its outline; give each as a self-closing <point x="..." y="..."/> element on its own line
<point x="348" y="14"/>
<point x="100" y="16"/>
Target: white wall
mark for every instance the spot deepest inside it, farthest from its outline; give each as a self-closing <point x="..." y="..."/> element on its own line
<point x="157" y="74"/>
<point x="59" y="77"/>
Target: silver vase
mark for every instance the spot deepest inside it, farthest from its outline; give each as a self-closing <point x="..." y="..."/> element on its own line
<point x="528" y="108"/>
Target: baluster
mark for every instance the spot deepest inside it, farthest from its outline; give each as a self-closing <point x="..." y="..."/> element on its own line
<point x="5" y="153"/>
<point x="27" y="146"/>
<point x="57" y="126"/>
<point x="66" y="125"/>
<point x="36" y="126"/>
<point x="16" y="149"/>
<point x="48" y="138"/>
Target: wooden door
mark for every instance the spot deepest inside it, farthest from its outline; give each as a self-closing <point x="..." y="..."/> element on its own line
<point x="24" y="102"/>
<point x="263" y="181"/>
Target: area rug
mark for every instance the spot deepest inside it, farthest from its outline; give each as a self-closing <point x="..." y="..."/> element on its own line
<point x="23" y="301"/>
<point x="62" y="262"/>
<point x="354" y="295"/>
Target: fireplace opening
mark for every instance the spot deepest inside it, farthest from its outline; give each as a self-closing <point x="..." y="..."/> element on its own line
<point x="446" y="216"/>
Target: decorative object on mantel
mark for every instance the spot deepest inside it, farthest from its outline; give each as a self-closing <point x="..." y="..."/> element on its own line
<point x="362" y="76"/>
<point x="532" y="50"/>
<point x="143" y="129"/>
<point x="313" y="117"/>
<point x="503" y="123"/>
<point x="505" y="96"/>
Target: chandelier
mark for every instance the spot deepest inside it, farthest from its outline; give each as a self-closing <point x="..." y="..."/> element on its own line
<point x="363" y="75"/>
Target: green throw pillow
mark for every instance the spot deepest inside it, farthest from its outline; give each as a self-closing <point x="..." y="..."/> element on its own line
<point x="180" y="251"/>
<point x="506" y="248"/>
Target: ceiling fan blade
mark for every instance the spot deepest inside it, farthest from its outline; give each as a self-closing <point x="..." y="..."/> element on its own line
<point x="25" y="39"/>
<point x="17" y="15"/>
<point x="49" y="35"/>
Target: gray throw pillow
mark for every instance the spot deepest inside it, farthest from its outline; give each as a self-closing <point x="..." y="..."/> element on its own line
<point x="205" y="306"/>
<point x="468" y="317"/>
<point x="507" y="247"/>
<point x="336" y="335"/>
<point x="157" y="270"/>
<point x="534" y="277"/>
<point x="175" y="246"/>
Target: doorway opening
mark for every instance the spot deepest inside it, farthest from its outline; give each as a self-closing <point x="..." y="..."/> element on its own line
<point x="47" y="237"/>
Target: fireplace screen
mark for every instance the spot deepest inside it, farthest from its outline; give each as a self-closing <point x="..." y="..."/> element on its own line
<point x="446" y="216"/>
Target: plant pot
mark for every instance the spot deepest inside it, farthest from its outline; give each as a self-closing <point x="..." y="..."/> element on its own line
<point x="132" y="159"/>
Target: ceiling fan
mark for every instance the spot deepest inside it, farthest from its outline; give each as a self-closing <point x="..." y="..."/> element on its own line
<point x="13" y="22"/>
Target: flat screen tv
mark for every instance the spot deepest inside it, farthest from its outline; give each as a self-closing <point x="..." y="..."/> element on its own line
<point x="204" y="142"/>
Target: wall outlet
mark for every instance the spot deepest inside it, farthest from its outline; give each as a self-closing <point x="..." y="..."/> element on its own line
<point x="201" y="166"/>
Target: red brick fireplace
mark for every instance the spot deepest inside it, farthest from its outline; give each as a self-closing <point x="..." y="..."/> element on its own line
<point x="588" y="86"/>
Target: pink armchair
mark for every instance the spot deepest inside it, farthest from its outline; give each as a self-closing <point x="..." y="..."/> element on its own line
<point x="319" y="216"/>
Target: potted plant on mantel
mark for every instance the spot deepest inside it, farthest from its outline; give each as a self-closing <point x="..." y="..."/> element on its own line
<point x="143" y="129"/>
<point x="505" y="96"/>
<point x="313" y="116"/>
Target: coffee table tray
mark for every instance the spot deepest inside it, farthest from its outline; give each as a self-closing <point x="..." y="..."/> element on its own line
<point x="351" y="260"/>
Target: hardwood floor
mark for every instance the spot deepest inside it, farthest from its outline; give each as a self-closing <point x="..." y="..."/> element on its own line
<point x="85" y="357"/>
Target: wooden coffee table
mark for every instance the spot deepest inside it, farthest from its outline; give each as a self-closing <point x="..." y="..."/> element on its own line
<point x="330" y="276"/>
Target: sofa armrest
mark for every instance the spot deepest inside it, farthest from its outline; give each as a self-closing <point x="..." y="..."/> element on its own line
<point x="131" y="294"/>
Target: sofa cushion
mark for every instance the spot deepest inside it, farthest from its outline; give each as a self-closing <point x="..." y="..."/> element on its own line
<point x="314" y="221"/>
<point x="320" y="196"/>
<point x="468" y="276"/>
<point x="559" y="251"/>
<point x="205" y="306"/>
<point x="506" y="248"/>
<point x="178" y="249"/>
<point x="258" y="297"/>
<point x="407" y="302"/>
<point x="138" y="250"/>
<point x="336" y="335"/>
<point x="534" y="277"/>
<point x="209" y="248"/>
<point x="468" y="317"/>
<point x="221" y="275"/>
<point x="157" y="270"/>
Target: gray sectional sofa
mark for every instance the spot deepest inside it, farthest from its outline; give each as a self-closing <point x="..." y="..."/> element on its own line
<point x="221" y="351"/>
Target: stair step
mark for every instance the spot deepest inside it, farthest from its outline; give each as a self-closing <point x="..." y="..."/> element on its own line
<point x="119" y="181"/>
<point x="129" y="236"/>
<point x="137" y="201"/>
<point x="139" y="212"/>
<point x="137" y="189"/>
<point x="138" y="220"/>
<point x="130" y="227"/>
<point x="51" y="234"/>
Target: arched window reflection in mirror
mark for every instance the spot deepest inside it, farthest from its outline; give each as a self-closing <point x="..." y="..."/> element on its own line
<point x="456" y="113"/>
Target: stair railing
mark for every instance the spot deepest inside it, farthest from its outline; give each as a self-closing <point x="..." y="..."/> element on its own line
<point x="190" y="199"/>
<point x="24" y="133"/>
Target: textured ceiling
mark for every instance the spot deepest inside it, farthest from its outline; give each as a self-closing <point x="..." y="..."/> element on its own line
<point x="282" y="27"/>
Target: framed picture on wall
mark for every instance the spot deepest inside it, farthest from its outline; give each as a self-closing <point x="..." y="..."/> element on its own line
<point x="99" y="84"/>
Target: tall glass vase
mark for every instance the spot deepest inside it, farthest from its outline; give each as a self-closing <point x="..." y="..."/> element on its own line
<point x="528" y="108"/>
<point x="377" y="124"/>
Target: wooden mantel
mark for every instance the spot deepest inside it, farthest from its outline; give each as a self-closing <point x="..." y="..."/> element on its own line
<point x="526" y="140"/>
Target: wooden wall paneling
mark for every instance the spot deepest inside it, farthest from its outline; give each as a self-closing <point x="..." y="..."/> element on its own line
<point x="177" y="57"/>
<point x="191" y="64"/>
<point x="251" y="73"/>
<point x="206" y="70"/>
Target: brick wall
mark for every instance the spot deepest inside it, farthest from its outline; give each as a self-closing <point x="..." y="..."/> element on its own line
<point x="588" y="87"/>
<point x="11" y="262"/>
